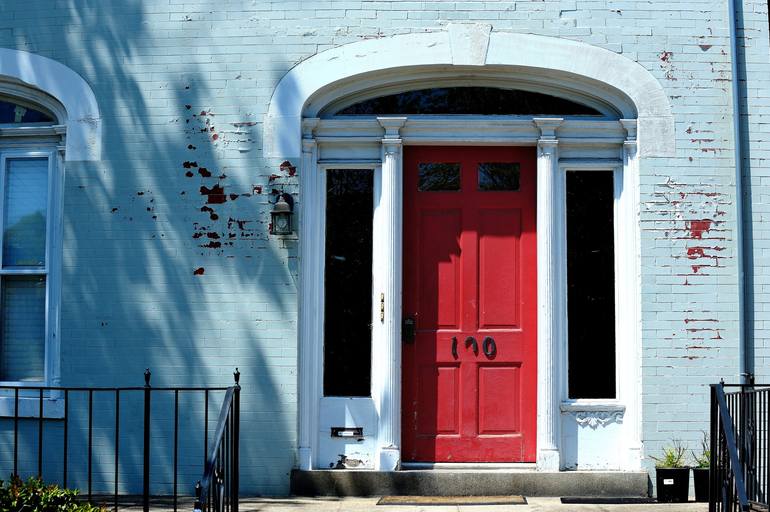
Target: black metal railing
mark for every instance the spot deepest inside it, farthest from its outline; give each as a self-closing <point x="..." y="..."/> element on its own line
<point x="740" y="447"/>
<point x="46" y="420"/>
<point x="218" y="489"/>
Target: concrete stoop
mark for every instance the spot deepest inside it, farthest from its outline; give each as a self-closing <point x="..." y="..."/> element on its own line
<point x="468" y="483"/>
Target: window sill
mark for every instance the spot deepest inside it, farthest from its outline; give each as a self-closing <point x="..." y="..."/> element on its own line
<point x="29" y="407"/>
<point x="586" y="405"/>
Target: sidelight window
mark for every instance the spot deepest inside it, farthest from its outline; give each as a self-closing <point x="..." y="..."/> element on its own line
<point x="348" y="282"/>
<point x="591" y="284"/>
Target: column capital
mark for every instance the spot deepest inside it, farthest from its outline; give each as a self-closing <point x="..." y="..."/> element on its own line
<point x="630" y="126"/>
<point x="630" y="144"/>
<point x="392" y="127"/>
<point x="547" y="127"/>
<point x="308" y="140"/>
<point x="309" y="125"/>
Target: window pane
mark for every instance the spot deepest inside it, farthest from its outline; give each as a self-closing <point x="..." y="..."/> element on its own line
<point x="11" y="112"/>
<point x="498" y="176"/>
<point x="439" y="177"/>
<point x="468" y="101"/>
<point x="26" y="199"/>
<point x="348" y="277"/>
<point x="22" y="336"/>
<point x="591" y="284"/>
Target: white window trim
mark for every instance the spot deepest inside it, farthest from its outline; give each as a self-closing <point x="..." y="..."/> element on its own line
<point x="619" y="201"/>
<point x="29" y="405"/>
<point x="58" y="88"/>
<point x="52" y="259"/>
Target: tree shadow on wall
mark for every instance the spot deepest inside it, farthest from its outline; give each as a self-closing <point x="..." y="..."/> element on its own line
<point x="167" y="260"/>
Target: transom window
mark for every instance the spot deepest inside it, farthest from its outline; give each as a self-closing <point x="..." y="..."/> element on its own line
<point x="468" y="101"/>
<point x="12" y="112"/>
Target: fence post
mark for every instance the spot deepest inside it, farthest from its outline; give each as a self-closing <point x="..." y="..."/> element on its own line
<point x="234" y="457"/>
<point x="146" y="484"/>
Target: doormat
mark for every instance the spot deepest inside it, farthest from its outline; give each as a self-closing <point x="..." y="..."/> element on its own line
<point x="452" y="500"/>
<point x="603" y="500"/>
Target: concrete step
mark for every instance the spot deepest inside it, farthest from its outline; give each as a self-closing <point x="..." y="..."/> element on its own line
<point x="462" y="482"/>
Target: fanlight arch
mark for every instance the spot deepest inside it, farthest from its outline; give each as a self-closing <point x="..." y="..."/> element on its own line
<point x="463" y="100"/>
<point x="37" y="80"/>
<point x="608" y="82"/>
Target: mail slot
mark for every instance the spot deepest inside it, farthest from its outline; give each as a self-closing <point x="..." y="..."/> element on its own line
<point x="352" y="432"/>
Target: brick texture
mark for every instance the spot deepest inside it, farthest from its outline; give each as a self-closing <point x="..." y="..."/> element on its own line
<point x="183" y="85"/>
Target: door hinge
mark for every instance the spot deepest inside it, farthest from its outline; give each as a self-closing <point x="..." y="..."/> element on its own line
<point x="382" y="307"/>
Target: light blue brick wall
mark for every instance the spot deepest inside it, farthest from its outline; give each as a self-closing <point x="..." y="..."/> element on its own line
<point x="189" y="80"/>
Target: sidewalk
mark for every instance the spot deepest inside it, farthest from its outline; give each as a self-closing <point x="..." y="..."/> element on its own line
<point x="299" y="504"/>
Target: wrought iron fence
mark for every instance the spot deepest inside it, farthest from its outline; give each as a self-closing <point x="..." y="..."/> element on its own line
<point x="740" y="447"/>
<point x="218" y="489"/>
<point x="37" y="418"/>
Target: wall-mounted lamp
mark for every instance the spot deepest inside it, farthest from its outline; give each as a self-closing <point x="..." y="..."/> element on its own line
<point x="281" y="217"/>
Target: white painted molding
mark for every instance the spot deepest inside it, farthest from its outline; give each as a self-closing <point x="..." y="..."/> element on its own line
<point x="595" y="419"/>
<point x="83" y="120"/>
<point x="594" y="413"/>
<point x="311" y="295"/>
<point x="548" y="307"/>
<point x="381" y="62"/>
<point x="629" y="328"/>
<point x="469" y="43"/>
<point x="387" y="391"/>
<point x="575" y="406"/>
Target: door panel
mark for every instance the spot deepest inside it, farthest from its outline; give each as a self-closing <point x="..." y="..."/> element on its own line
<point x="440" y="268"/>
<point x="499" y="235"/>
<point x="469" y="385"/>
<point x="499" y="384"/>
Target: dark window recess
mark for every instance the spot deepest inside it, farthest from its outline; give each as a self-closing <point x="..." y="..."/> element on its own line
<point x="11" y="113"/>
<point x="348" y="277"/>
<point x="498" y="176"/>
<point x="591" y="284"/>
<point x="439" y="177"/>
<point x="468" y="101"/>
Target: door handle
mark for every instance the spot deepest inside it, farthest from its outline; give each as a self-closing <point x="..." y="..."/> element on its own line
<point x="454" y="347"/>
<point x="489" y="347"/>
<point x="470" y="340"/>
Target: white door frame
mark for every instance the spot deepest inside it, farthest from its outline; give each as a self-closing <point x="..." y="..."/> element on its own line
<point x="465" y="54"/>
<point x="389" y="134"/>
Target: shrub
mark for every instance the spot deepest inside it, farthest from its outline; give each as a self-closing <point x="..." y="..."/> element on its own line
<point x="704" y="459"/>
<point x="673" y="456"/>
<point x="34" y="495"/>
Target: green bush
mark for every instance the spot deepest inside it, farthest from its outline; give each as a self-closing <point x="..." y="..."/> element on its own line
<point x="35" y="496"/>
<point x="673" y="456"/>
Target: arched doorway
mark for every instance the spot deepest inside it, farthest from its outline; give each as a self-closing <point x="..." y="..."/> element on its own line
<point x="341" y="132"/>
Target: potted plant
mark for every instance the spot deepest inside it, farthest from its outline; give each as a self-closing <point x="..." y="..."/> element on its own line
<point x="700" y="472"/>
<point x="672" y="476"/>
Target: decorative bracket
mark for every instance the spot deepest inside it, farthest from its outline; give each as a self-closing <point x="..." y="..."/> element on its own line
<point x="593" y="414"/>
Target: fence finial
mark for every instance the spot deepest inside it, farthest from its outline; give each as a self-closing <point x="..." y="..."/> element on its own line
<point x="147" y="375"/>
<point x="237" y="376"/>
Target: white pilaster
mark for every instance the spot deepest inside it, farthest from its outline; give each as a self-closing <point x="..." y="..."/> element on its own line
<point x="387" y="354"/>
<point x="629" y="330"/>
<point x="548" y="352"/>
<point x="310" y="231"/>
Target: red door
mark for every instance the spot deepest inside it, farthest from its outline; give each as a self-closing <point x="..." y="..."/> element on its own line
<point x="469" y="392"/>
